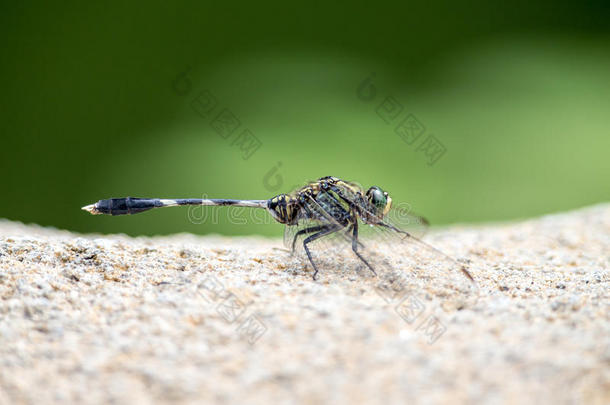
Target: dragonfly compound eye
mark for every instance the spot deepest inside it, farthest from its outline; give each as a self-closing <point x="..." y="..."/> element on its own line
<point x="377" y="197"/>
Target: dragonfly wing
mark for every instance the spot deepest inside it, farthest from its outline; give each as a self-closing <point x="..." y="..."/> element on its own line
<point x="407" y="265"/>
<point x="403" y="218"/>
<point x="416" y="268"/>
<point x="394" y="245"/>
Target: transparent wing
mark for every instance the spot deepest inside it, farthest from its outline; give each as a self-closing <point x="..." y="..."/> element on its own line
<point x="417" y="268"/>
<point x="403" y="218"/>
<point x="407" y="264"/>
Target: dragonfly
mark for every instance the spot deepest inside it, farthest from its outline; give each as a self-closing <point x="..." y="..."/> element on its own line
<point x="333" y="210"/>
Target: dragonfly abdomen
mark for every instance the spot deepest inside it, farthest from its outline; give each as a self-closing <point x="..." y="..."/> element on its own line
<point x="131" y="205"/>
<point x="123" y="206"/>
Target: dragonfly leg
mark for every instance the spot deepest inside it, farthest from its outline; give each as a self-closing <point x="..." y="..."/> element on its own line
<point x="305" y="230"/>
<point x="355" y="244"/>
<point x="326" y="229"/>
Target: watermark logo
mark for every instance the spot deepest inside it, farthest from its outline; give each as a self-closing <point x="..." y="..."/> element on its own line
<point x="410" y="129"/>
<point x="273" y="179"/>
<point x="199" y="214"/>
<point x="432" y="148"/>
<point x="223" y="121"/>
<point x="232" y="309"/>
<point x="392" y="289"/>
<point x="406" y="126"/>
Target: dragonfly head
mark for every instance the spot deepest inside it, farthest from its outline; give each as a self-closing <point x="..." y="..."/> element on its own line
<point x="282" y="208"/>
<point x="380" y="200"/>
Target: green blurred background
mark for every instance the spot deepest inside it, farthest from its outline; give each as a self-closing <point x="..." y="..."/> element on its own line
<point x="517" y="93"/>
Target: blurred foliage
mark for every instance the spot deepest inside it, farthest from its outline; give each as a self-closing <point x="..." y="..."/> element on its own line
<point x="518" y="94"/>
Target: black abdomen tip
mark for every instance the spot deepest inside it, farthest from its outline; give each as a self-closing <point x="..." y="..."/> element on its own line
<point x="125" y="206"/>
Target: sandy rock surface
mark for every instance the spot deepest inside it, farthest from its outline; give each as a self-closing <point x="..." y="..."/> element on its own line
<point x="91" y="318"/>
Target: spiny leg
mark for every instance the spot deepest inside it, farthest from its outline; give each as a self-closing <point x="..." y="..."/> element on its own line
<point x="306" y="230"/>
<point x="357" y="241"/>
<point x="327" y="229"/>
<point x="355" y="246"/>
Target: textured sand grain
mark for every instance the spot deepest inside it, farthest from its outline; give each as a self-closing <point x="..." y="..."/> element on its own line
<point x="87" y="318"/>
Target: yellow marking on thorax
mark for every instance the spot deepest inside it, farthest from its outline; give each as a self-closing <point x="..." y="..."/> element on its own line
<point x="353" y="187"/>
